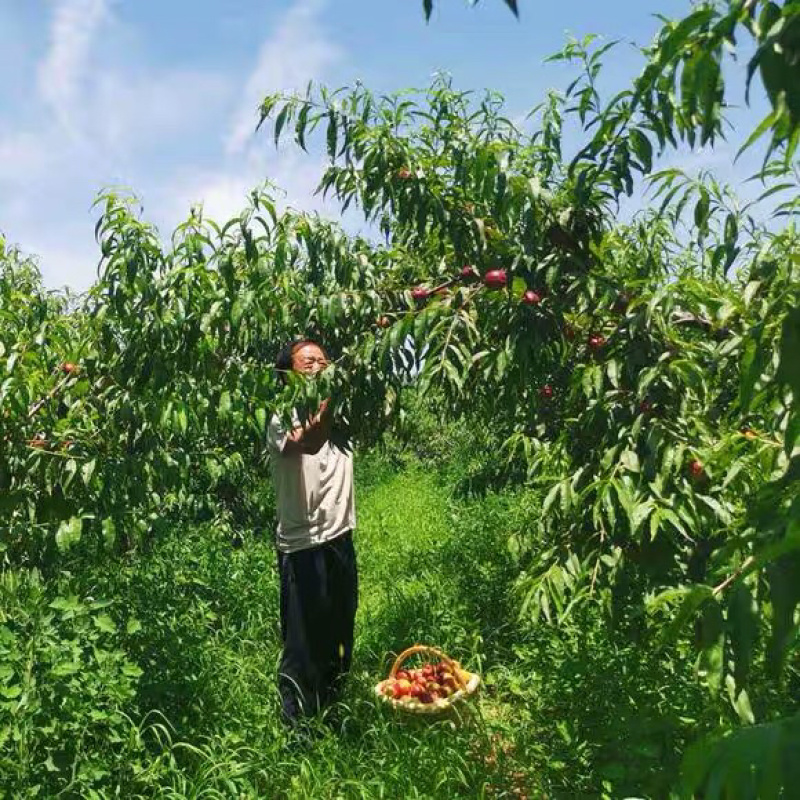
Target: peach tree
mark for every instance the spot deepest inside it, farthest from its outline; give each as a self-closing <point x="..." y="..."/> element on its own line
<point x="147" y="399"/>
<point x="646" y="371"/>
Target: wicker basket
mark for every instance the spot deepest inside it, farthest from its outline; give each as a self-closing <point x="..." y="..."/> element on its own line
<point x="468" y="681"/>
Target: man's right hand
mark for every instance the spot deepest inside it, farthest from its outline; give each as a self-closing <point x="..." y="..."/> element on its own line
<point x="323" y="408"/>
<point x="310" y="437"/>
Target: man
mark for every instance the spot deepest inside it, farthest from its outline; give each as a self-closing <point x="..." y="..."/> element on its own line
<point x="316" y="516"/>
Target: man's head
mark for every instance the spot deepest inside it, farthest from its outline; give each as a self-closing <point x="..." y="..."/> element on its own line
<point x="301" y="355"/>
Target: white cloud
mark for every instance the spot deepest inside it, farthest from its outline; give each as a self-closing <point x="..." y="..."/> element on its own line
<point x="177" y="134"/>
<point x="64" y="265"/>
<point x="64" y="69"/>
<point x="131" y="112"/>
<point x="296" y="53"/>
<point x="224" y="192"/>
<point x="24" y="156"/>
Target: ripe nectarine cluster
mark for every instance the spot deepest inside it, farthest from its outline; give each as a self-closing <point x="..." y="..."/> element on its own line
<point x="426" y="684"/>
<point x="493" y="279"/>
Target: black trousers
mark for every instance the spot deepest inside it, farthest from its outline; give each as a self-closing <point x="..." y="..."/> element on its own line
<point x="319" y="597"/>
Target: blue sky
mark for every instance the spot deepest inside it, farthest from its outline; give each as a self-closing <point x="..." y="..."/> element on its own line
<point x="161" y="97"/>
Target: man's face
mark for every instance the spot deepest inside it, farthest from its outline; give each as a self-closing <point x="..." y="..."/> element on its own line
<point x="309" y="359"/>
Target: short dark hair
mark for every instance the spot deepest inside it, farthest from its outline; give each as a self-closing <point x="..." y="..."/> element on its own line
<point x="283" y="363"/>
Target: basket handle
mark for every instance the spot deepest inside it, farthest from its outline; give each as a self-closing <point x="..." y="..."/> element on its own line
<point x="424" y="648"/>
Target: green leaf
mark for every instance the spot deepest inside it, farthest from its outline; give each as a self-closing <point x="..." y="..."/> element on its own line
<point x="182" y="419"/>
<point x="224" y="404"/>
<point x="332" y="135"/>
<point x="754" y="362"/>
<point x="104" y="623"/>
<point x="70" y="469"/>
<point x="722" y="513"/>
<point x="755" y="761"/>
<point x="655" y="522"/>
<point x="731" y="234"/>
<point x="789" y="367"/>
<point x="740" y="702"/>
<point x="87" y="470"/>
<point x="701" y="211"/>
<point x="109" y="532"/>
<point x="300" y="127"/>
<point x="750" y="291"/>
<point x="640" y="514"/>
<point x="630" y="461"/>
<point x="69" y="533"/>
<point x="280" y="121"/>
<point x="550" y="499"/>
<point x="712" y="643"/>
<point x="743" y="630"/>
<point x="784" y="587"/>
<point x="70" y="605"/>
<point x="642" y="148"/>
<point x="607" y="499"/>
<point x="766" y="124"/>
<point x="671" y="517"/>
<point x="132" y="670"/>
<point x="65" y="668"/>
<point x="690" y="597"/>
<point x="612" y="370"/>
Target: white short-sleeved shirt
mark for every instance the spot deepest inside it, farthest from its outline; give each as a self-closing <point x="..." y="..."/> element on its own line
<point x="314" y="492"/>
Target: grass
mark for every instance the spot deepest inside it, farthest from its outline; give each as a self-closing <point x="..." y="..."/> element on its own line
<point x="212" y="671"/>
<point x="563" y="713"/>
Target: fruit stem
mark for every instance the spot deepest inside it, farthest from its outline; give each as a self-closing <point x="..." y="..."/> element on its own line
<point x="734" y="576"/>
